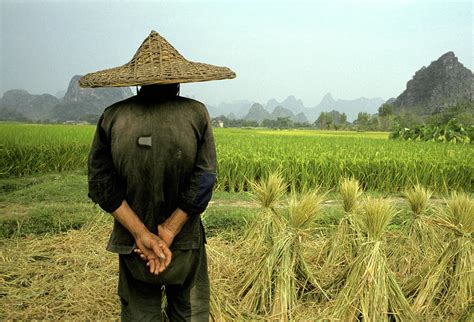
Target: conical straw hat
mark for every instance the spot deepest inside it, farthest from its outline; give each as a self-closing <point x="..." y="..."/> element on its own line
<point x="155" y="62"/>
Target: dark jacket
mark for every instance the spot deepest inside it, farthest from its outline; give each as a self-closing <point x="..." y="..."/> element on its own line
<point x="157" y="153"/>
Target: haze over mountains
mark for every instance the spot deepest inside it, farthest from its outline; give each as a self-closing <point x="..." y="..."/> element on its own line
<point x="242" y="108"/>
<point x="443" y="83"/>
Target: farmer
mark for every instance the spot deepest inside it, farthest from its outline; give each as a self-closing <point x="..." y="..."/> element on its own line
<point x="152" y="166"/>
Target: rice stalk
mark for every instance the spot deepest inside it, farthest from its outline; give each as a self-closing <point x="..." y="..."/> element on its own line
<point x="302" y="211"/>
<point x="418" y="198"/>
<point x="269" y="192"/>
<point x="350" y="192"/>
<point x="423" y="242"/>
<point x="341" y="247"/>
<point x="449" y="285"/>
<point x="370" y="291"/>
<point x="344" y="243"/>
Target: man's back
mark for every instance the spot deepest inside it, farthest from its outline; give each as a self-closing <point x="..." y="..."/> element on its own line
<point x="156" y="144"/>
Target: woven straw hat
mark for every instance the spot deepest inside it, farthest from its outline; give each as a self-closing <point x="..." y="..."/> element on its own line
<point x="155" y="62"/>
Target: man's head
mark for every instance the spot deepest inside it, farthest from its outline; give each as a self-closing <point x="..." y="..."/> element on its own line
<point x="159" y="90"/>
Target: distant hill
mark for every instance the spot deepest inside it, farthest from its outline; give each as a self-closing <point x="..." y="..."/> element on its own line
<point x="21" y="103"/>
<point x="327" y="101"/>
<point x="291" y="102"/>
<point x="301" y="118"/>
<point x="350" y="107"/>
<point x="77" y="103"/>
<point x="444" y="83"/>
<point x="282" y="112"/>
<point x="239" y="108"/>
<point x="257" y="113"/>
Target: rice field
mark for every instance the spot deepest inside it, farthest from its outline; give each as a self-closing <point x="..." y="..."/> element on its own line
<point x="306" y="158"/>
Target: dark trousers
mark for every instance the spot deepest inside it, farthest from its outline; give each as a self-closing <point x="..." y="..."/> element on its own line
<point x="185" y="283"/>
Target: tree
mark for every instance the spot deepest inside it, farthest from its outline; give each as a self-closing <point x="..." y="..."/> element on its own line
<point x="321" y="120"/>
<point x="408" y="119"/>
<point x="324" y="121"/>
<point x="386" y="109"/>
<point x="363" y="121"/>
<point x="343" y="120"/>
<point x="329" y="120"/>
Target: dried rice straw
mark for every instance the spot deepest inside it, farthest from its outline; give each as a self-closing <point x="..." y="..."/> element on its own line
<point x="371" y="291"/>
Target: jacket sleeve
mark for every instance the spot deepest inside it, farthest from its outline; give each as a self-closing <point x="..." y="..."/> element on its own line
<point x="105" y="186"/>
<point x="194" y="199"/>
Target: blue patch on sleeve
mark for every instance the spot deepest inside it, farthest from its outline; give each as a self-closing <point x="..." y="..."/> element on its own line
<point x="205" y="188"/>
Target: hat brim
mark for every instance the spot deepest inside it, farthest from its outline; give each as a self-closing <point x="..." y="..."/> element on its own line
<point x="126" y="76"/>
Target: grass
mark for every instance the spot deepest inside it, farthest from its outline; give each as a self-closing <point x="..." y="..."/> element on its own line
<point x="44" y="204"/>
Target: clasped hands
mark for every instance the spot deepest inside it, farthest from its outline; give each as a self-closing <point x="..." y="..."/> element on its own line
<point x="154" y="249"/>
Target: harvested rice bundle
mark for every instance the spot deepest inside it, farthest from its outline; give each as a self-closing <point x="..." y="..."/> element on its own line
<point x="350" y="192"/>
<point x="283" y="275"/>
<point x="449" y="285"/>
<point x="344" y="243"/>
<point x="340" y="249"/>
<point x="370" y="291"/>
<point x="419" y="227"/>
<point x="423" y="240"/>
<point x="269" y="194"/>
<point x="418" y="199"/>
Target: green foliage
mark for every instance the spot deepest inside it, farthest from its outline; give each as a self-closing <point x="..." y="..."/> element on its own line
<point x="463" y="111"/>
<point x="409" y="119"/>
<point x="279" y="123"/>
<point x="233" y="123"/>
<point x="324" y="120"/>
<point x="452" y="132"/>
<point x="331" y="120"/>
<point x="386" y="109"/>
<point x="362" y="122"/>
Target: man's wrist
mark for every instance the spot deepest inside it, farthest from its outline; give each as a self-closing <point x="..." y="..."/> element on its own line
<point x="139" y="231"/>
<point x="170" y="230"/>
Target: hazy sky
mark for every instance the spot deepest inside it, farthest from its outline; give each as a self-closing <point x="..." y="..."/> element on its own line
<point x="277" y="48"/>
